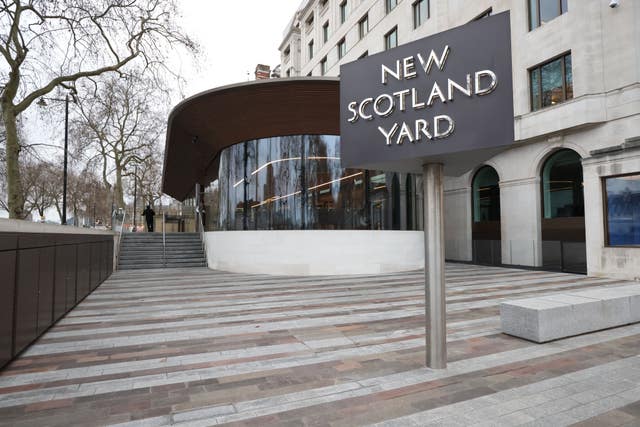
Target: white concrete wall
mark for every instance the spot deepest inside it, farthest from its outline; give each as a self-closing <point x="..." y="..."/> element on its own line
<point x="601" y="259"/>
<point x="315" y="252"/>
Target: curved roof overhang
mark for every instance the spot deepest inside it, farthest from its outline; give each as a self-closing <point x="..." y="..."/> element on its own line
<point x="201" y="126"/>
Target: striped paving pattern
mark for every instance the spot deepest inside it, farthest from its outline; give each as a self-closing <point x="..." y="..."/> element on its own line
<point x="201" y="347"/>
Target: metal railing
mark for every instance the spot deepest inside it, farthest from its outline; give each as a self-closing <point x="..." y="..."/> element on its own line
<point x="119" y="229"/>
<point x="164" y="242"/>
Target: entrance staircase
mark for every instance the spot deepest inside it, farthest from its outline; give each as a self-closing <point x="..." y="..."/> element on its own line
<point x="146" y="250"/>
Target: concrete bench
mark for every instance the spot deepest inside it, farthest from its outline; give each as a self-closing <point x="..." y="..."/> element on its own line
<point x="551" y="317"/>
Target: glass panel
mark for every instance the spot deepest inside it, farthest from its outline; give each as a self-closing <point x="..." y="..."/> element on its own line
<point x="562" y="185"/>
<point x="391" y="39"/>
<point x="568" y="77"/>
<point x="325" y="32"/>
<point x="251" y="187"/>
<point x="391" y="4"/>
<point x="343" y="12"/>
<point x="623" y="210"/>
<point x="549" y="9"/>
<point x="278" y="202"/>
<point x="380" y="210"/>
<point x="533" y="14"/>
<point x="363" y="27"/>
<point x="486" y="195"/>
<point x="552" y="87"/>
<point x="535" y="89"/>
<point x="420" y="12"/>
<point x="564" y="6"/>
<point x="212" y="206"/>
<point x="335" y="196"/>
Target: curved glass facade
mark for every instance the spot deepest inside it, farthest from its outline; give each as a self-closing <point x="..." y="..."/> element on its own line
<point x="297" y="182"/>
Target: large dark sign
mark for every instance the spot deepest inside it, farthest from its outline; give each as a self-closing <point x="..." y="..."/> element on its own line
<point x="445" y="98"/>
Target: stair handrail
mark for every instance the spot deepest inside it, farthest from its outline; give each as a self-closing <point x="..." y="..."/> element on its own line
<point x="201" y="232"/>
<point x="164" y="241"/>
<point x="118" y="246"/>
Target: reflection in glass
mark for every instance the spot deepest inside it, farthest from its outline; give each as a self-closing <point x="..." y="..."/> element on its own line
<point x="549" y="9"/>
<point x="552" y="83"/>
<point x="623" y="210"/>
<point x="568" y="78"/>
<point x="297" y="182"/>
<point x="562" y="187"/>
<point x="486" y="195"/>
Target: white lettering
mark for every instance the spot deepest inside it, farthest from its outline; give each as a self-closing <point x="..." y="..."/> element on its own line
<point x="405" y="132"/>
<point x="388" y="135"/>
<point x="437" y="130"/>
<point x="422" y="128"/>
<point x="401" y="98"/>
<point x="361" y="109"/>
<point x="386" y="70"/>
<point x="451" y="85"/>
<point x="433" y="58"/>
<point x="409" y="68"/>
<point x="435" y="92"/>
<point x="492" y="86"/>
<point x="352" y="108"/>
<point x="376" y="105"/>
<point x="414" y="99"/>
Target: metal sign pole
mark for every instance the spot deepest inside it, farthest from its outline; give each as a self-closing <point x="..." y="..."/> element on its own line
<point x="435" y="304"/>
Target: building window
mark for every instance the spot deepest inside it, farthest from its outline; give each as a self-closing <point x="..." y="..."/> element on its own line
<point x="323" y="66"/>
<point x="323" y="3"/>
<point x="543" y="11"/>
<point x="622" y="208"/>
<point x="343" y="11"/>
<point x="363" y="26"/>
<point x="420" y="12"/>
<point x="310" y="49"/>
<point x="309" y="74"/>
<point x="342" y="48"/>
<point x="310" y="20"/>
<point x="389" y="5"/>
<point x="287" y="51"/>
<point x="551" y="82"/>
<point x="486" y="195"/>
<point x="364" y="54"/>
<point x="391" y="39"/>
<point x="562" y="188"/>
<point x="288" y="72"/>
<point x="325" y="32"/>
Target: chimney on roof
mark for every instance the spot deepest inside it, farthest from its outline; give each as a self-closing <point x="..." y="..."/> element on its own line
<point x="262" y="72"/>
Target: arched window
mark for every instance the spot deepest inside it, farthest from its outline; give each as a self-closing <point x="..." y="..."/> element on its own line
<point x="562" y="187"/>
<point x="486" y="195"/>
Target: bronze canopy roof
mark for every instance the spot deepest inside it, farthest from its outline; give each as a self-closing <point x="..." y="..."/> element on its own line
<point x="201" y="126"/>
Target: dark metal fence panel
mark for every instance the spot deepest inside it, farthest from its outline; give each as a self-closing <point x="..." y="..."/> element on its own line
<point x="43" y="276"/>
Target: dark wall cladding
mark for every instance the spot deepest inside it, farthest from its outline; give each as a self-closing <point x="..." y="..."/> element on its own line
<point x="297" y="182"/>
<point x="43" y="276"/>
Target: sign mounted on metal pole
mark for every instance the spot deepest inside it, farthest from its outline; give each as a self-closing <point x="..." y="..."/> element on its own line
<point x="439" y="105"/>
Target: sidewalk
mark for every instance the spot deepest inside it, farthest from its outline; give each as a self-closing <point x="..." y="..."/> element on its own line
<point x="203" y="347"/>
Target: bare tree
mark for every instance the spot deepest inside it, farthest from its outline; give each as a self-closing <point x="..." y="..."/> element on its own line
<point x="121" y="123"/>
<point x="47" y="44"/>
<point x="41" y="186"/>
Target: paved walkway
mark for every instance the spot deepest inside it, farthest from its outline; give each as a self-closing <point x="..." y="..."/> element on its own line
<point x="202" y="347"/>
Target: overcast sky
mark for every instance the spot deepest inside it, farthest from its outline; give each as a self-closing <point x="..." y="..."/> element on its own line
<point x="235" y="36"/>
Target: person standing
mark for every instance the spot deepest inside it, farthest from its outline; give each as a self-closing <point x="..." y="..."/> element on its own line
<point x="148" y="214"/>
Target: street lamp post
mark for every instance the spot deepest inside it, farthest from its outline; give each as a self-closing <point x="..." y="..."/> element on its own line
<point x="43" y="103"/>
<point x="135" y="195"/>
